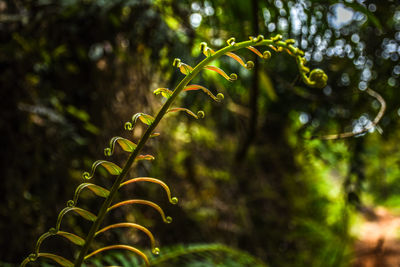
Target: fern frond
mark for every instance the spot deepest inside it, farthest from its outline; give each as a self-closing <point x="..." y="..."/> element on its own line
<point x="77" y="240"/>
<point x="60" y="260"/>
<point x="145" y="157"/>
<point x="184" y="68"/>
<point x="232" y="77"/>
<point x="200" y="114"/>
<point x="145" y="118"/>
<point x="125" y="247"/>
<point x="87" y="215"/>
<point x="265" y="55"/>
<point x="154" y="135"/>
<point x="166" y="219"/>
<point x="316" y="78"/>
<point x="172" y="200"/>
<point x="98" y="190"/>
<point x="125" y="144"/>
<point x="205" y="253"/>
<point x="208" y="52"/>
<point x="165" y="92"/>
<point x="155" y="249"/>
<point x="218" y="98"/>
<point x="51" y="232"/>
<point x="111" y="168"/>
<point x="247" y="65"/>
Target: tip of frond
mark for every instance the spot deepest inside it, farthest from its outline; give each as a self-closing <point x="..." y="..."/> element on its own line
<point x="128" y="126"/>
<point x="174" y="200"/>
<point x="86" y="176"/>
<point x="249" y="65"/>
<point x="107" y="152"/>
<point x="168" y="219"/>
<point x="155" y="251"/>
<point x="200" y="114"/>
<point x="176" y="63"/>
<point x="231" y="41"/>
<point x="266" y="55"/>
<point x="220" y="97"/>
<point x="317" y="78"/>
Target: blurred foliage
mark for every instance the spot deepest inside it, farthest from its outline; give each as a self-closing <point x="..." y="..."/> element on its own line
<point x="186" y="255"/>
<point x="73" y="71"/>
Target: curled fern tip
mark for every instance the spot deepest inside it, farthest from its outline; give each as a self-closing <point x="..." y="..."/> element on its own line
<point x="128" y="126"/>
<point x="107" y="152"/>
<point x="290" y="41"/>
<point x="176" y="63"/>
<point x="318" y="78"/>
<point x="33" y="256"/>
<point x="259" y="38"/>
<point x="70" y="203"/>
<point x="200" y="114"/>
<point x="277" y="38"/>
<point x="220" y="97"/>
<point x="231" y="41"/>
<point x="86" y="176"/>
<point x="203" y="46"/>
<point x="249" y="65"/>
<point x="174" y="200"/>
<point x="266" y="55"/>
<point x="156" y="251"/>
<point x="233" y="77"/>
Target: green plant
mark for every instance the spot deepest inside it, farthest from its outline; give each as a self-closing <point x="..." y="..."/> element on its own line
<point x="188" y="255"/>
<point x="316" y="78"/>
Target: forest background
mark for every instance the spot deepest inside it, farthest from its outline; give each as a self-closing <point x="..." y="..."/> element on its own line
<point x="247" y="175"/>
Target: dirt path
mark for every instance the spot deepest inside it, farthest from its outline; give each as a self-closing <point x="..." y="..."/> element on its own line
<point x="379" y="241"/>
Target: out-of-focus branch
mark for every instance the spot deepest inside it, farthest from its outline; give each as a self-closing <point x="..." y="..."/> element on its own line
<point x="365" y="129"/>
<point x="4" y="18"/>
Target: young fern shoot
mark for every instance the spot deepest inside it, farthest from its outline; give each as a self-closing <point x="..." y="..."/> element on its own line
<point x="315" y="78"/>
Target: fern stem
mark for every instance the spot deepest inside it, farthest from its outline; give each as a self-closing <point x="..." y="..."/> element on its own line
<point x="107" y="202"/>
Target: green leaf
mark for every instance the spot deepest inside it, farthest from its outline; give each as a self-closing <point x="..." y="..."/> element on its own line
<point x="136" y="227"/>
<point x="72" y="237"/>
<point x="154" y="135"/>
<point x="266" y="83"/>
<point x="145" y="118"/>
<point x="194" y="87"/>
<point x="111" y="168"/>
<point x="126" y="144"/>
<point x="125" y="247"/>
<point x="171" y="21"/>
<point x="60" y="260"/>
<point x="165" y="92"/>
<point x="98" y="190"/>
<point x="255" y="51"/>
<point x="78" y="113"/>
<point x="166" y="219"/>
<point x="184" y="110"/>
<point x="185" y="69"/>
<point x="232" y="77"/>
<point x="85" y="214"/>
<point x="145" y="157"/>
<point x="237" y="58"/>
<point x="172" y="200"/>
